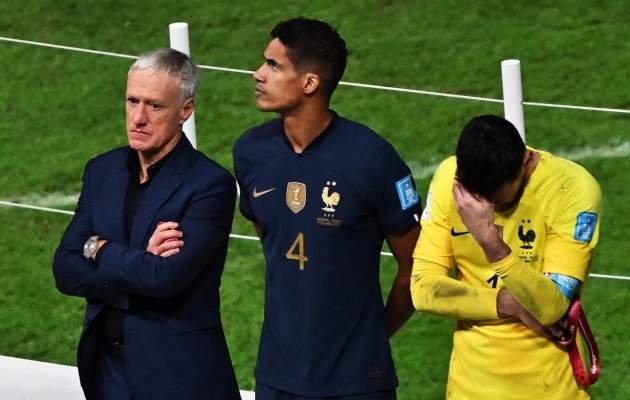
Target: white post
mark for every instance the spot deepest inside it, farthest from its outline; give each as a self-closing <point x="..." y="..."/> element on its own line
<point x="179" y="41"/>
<point x="513" y="94"/>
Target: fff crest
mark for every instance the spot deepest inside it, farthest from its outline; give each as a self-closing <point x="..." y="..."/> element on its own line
<point x="296" y="196"/>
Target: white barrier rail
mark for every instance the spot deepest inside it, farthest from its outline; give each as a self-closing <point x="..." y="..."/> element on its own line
<point x="244" y="237"/>
<point x="22" y="379"/>
<point x="19" y="374"/>
<point x="361" y="85"/>
<point x="513" y="94"/>
<point x="179" y="41"/>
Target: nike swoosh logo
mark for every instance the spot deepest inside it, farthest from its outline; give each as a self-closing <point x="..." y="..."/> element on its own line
<point x="453" y="233"/>
<point x="258" y="194"/>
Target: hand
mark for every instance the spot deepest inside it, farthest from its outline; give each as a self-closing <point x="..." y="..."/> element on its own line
<point x="508" y="306"/>
<point x="99" y="244"/>
<point x="165" y="240"/>
<point x="477" y="214"/>
<point x="553" y="332"/>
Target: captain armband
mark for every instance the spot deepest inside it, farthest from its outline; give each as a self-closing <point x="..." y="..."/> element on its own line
<point x="568" y="285"/>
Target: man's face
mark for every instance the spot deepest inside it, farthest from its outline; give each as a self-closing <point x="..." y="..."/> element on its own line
<point x="510" y="194"/>
<point x="278" y="86"/>
<point x="154" y="112"/>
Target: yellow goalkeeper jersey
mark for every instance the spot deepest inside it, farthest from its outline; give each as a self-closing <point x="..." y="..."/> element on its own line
<point x="554" y="229"/>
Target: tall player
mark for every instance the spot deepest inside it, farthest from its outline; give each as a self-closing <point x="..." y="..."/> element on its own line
<point x="323" y="193"/>
<point x="520" y="226"/>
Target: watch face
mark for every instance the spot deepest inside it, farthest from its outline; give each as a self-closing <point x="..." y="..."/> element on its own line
<point x="90" y="246"/>
<point x="86" y="249"/>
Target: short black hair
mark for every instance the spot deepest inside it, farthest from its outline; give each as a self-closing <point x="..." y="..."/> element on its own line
<point x="489" y="153"/>
<point x="314" y="46"/>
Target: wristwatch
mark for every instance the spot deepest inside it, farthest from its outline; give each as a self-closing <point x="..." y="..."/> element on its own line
<point x="90" y="246"/>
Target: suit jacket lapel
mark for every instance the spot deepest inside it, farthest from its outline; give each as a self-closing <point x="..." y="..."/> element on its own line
<point x="167" y="180"/>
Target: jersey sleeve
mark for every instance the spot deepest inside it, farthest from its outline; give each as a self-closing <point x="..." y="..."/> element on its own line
<point x="574" y="230"/>
<point x="391" y="190"/>
<point x="245" y="206"/>
<point x="432" y="289"/>
<point x="435" y="244"/>
<point x="241" y="171"/>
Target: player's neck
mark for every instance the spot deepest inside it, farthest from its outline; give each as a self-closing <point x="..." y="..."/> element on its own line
<point x="303" y="126"/>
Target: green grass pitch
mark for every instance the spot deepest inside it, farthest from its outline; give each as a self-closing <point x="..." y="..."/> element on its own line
<point x="60" y="108"/>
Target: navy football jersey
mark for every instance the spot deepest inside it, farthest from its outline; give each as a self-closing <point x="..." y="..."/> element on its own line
<point x="324" y="214"/>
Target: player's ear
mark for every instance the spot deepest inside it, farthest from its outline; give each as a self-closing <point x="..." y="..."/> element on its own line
<point x="310" y="83"/>
<point x="186" y="109"/>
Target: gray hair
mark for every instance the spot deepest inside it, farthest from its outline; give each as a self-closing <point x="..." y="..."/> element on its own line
<point x="175" y="64"/>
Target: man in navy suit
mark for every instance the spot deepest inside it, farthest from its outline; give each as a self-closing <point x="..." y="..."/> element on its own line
<point x="146" y="248"/>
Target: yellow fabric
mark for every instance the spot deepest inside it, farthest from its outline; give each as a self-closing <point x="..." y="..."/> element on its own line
<point x="438" y="294"/>
<point x="496" y="358"/>
<point x="537" y="293"/>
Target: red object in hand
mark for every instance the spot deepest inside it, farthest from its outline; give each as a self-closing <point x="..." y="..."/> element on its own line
<point x="576" y="320"/>
<point x="169" y="239"/>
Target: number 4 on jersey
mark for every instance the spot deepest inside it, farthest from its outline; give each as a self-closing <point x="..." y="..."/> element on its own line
<point x="299" y="243"/>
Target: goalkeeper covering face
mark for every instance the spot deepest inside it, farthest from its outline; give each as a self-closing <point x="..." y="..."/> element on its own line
<point x="519" y="226"/>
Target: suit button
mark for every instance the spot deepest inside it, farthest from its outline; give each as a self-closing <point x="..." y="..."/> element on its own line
<point x="87" y="321"/>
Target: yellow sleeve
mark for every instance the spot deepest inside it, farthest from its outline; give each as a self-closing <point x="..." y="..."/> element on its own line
<point x="533" y="290"/>
<point x="567" y="257"/>
<point x="573" y="202"/>
<point x="434" y="243"/>
<point x="432" y="290"/>
<point x="570" y="242"/>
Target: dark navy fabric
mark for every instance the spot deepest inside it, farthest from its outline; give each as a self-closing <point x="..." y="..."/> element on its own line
<point x="324" y="331"/>
<point x="112" y="382"/>
<point x="174" y="342"/>
<point x="264" y="392"/>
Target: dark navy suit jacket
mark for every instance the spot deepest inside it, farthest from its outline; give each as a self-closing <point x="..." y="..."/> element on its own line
<point x="174" y="342"/>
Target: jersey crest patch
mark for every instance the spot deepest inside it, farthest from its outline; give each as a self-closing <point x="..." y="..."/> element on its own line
<point x="526" y="237"/>
<point x="585" y="226"/>
<point x="406" y="192"/>
<point x="330" y="199"/>
<point x="296" y="196"/>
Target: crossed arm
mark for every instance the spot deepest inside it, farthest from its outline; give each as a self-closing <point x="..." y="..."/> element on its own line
<point x="530" y="296"/>
<point x="534" y="291"/>
<point x="123" y="270"/>
<point x="165" y="241"/>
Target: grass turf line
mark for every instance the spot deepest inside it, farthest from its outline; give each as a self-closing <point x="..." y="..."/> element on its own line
<point x="60" y="109"/>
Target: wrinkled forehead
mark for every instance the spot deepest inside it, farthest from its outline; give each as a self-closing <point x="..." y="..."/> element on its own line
<point x="146" y="82"/>
<point x="155" y="74"/>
